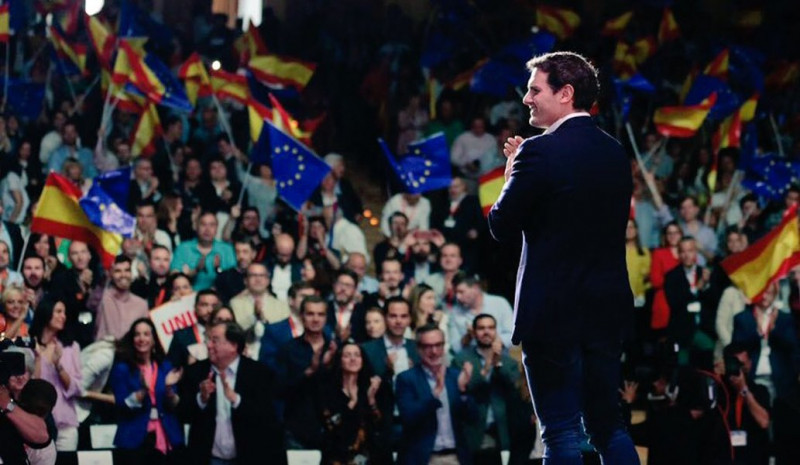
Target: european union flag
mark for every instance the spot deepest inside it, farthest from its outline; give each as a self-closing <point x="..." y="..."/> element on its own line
<point x="104" y="213"/>
<point x="497" y="77"/>
<point x="727" y="100"/>
<point x="521" y="51"/>
<point x="426" y="165"/>
<point x="116" y="184"/>
<point x="174" y="95"/>
<point x="770" y="176"/>
<point x="25" y="98"/>
<point x="622" y="88"/>
<point x="297" y="170"/>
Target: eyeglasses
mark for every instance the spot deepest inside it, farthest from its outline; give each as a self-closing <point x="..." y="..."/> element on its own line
<point x="257" y="275"/>
<point x="437" y="345"/>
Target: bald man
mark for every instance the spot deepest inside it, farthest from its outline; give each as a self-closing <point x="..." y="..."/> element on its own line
<point x="283" y="266"/>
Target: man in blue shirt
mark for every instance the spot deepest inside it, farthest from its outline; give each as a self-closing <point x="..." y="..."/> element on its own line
<point x="203" y="258"/>
<point x="69" y="149"/>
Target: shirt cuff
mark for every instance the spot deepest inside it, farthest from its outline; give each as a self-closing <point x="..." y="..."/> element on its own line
<point x="238" y="401"/>
<point x="200" y="402"/>
<point x="132" y="402"/>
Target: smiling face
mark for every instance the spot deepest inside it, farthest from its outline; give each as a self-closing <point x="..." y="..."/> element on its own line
<point x="143" y="341"/>
<point x="59" y="317"/>
<point x="546" y="107"/>
<point x="351" y="359"/>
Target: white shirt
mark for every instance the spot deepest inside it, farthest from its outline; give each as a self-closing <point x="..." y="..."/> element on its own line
<point x="281" y="281"/>
<point x="13" y="183"/>
<point x="445" y="436"/>
<point x="348" y="238"/>
<point x="561" y="120"/>
<point x="224" y="444"/>
<point x="419" y="215"/>
<point x="401" y="361"/>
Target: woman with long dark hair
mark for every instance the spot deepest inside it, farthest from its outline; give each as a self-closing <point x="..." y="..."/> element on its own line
<point x="58" y="361"/>
<point x="350" y="412"/>
<point x="143" y="382"/>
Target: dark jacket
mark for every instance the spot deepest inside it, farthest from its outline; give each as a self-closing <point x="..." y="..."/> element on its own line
<point x="566" y="186"/>
<point x="682" y="323"/>
<point x="256" y="429"/>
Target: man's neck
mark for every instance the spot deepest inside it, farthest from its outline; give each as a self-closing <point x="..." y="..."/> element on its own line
<point x="395" y="340"/>
<point x="478" y="306"/>
<point x="119" y="293"/>
<point x="223" y="365"/>
<point x="204" y="243"/>
<point x="313" y="338"/>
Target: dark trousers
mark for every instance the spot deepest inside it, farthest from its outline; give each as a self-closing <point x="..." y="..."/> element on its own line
<point x="574" y="382"/>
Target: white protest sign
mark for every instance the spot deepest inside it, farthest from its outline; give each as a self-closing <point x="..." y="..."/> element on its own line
<point x="173" y="316"/>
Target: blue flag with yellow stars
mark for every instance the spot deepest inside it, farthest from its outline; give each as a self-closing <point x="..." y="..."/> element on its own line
<point x="104" y="213"/>
<point x="116" y="184"/>
<point x="297" y="170"/>
<point x="770" y="176"/>
<point x="426" y="165"/>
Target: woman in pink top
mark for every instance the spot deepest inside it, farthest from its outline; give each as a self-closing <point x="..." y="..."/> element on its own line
<point x="143" y="382"/>
<point x="58" y="361"/>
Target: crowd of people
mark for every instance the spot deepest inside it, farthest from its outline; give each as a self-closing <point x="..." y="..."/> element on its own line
<point x="309" y="337"/>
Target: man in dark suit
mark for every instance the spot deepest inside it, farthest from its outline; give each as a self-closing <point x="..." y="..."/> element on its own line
<point x="227" y="400"/>
<point x="434" y="406"/>
<point x="573" y="301"/>
<point x="154" y="289"/>
<point x="692" y="316"/>
<point x="204" y="304"/>
<point x="230" y="282"/>
<point x="346" y="316"/>
<point x="461" y="221"/>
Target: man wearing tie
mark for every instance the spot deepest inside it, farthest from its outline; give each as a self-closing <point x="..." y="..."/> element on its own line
<point x="573" y="301"/>
<point x="227" y="400"/>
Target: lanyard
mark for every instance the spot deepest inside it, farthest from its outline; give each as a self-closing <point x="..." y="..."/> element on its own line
<point x="739" y="405"/>
<point x="151" y="385"/>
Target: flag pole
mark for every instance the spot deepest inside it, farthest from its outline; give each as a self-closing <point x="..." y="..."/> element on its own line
<point x="6" y="75"/>
<point x="777" y="134"/>
<point x="245" y="183"/>
<point x="85" y="93"/>
<point x="647" y="179"/>
<point x="223" y="118"/>
<point x="22" y="255"/>
<point x="66" y="78"/>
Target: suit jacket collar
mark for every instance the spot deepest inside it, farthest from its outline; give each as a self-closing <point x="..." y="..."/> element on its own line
<point x="577" y="115"/>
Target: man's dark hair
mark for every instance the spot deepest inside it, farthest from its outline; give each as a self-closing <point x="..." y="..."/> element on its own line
<point x="159" y="247"/>
<point x="748" y="198"/>
<point x="312" y="299"/>
<point x="734" y="348"/>
<point x="145" y="203"/>
<point x="123" y="259"/>
<point x="205" y="292"/>
<point x="689" y="197"/>
<point x="318" y="219"/>
<point x="245" y="241"/>
<point x="223" y="137"/>
<point x="568" y="68"/>
<point x="398" y="215"/>
<point x="395" y="300"/>
<point x="392" y="259"/>
<point x="427" y="328"/>
<point x="299" y="286"/>
<point x="35" y="257"/>
<point x="464" y="278"/>
<point x="793" y="188"/>
<point x="171" y="120"/>
<point x="234" y="334"/>
<point x="481" y="317"/>
<point x="347" y="272"/>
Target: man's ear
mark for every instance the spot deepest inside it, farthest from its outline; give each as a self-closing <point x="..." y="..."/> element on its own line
<point x="567" y="93"/>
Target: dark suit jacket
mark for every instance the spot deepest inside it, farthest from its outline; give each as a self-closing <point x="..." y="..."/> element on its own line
<point x="418" y="406"/>
<point x="229" y="283"/>
<point x="132" y="422"/>
<point x="149" y="290"/>
<point x="256" y="429"/>
<point x="467" y="216"/>
<point x="178" y="351"/>
<point x="358" y="325"/>
<point x="569" y="198"/>
<point x="17" y="242"/>
<point x="682" y="324"/>
<point x="784" y="355"/>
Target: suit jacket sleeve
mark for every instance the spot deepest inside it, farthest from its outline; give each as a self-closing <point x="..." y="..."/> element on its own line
<point x="524" y="189"/>
<point x="412" y="409"/>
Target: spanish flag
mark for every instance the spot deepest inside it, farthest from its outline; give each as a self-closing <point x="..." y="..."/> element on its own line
<point x="682" y="121"/>
<point x="562" y="22"/>
<point x="668" y="29"/>
<point x="257" y="113"/>
<point x="5" y="23"/>
<point x="286" y="123"/>
<point x="146" y="132"/>
<point x="768" y="259"/>
<point x="643" y="49"/>
<point x="229" y="85"/>
<point x="195" y="78"/>
<point x="464" y="79"/>
<point x="729" y="134"/>
<point x="75" y="53"/>
<point x="249" y="44"/>
<point x="102" y="40"/>
<point x="275" y="70"/>
<point x="126" y="101"/>
<point x="489" y="187"/>
<point x="59" y="214"/>
<point x="616" y="26"/>
<point x="719" y="65"/>
<point x="624" y="62"/>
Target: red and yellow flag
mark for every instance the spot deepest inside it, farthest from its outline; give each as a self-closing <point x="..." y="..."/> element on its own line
<point x="5" y="23"/>
<point x="768" y="259"/>
<point x="102" y="40"/>
<point x="682" y="121"/>
<point x="229" y="85"/>
<point x="249" y="44"/>
<point x="463" y="79"/>
<point x="489" y="187"/>
<point x="561" y="22"/>
<point x="616" y="26"/>
<point x="719" y="65"/>
<point x="285" y="122"/>
<point x="729" y="134"/>
<point x="59" y="214"/>
<point x="668" y="29"/>
<point x="643" y="49"/>
<point x="624" y="62"/>
<point x="276" y="70"/>
<point x="76" y="53"/>
<point x="195" y="78"/>
<point x="146" y="132"/>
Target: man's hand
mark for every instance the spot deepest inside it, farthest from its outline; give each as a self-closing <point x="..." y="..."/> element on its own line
<point x="437" y="390"/>
<point x="327" y="357"/>
<point x="173" y="376"/>
<point x="207" y="387"/>
<point x="628" y="392"/>
<point x="466" y="339"/>
<point x="230" y="394"/>
<point x="738" y="382"/>
<point x="86" y="278"/>
<point x="374" y="385"/>
<point x="464" y="376"/>
<point x="510" y="149"/>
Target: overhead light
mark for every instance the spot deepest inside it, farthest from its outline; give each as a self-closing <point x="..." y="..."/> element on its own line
<point x="94" y="6"/>
<point x="216" y="65"/>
